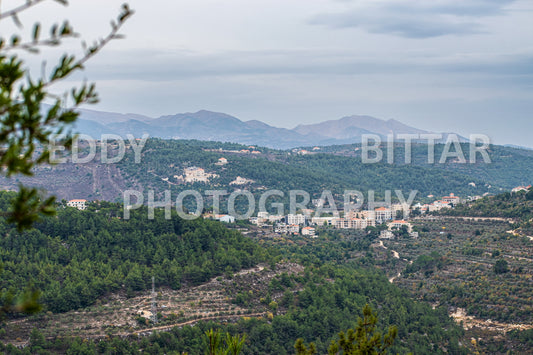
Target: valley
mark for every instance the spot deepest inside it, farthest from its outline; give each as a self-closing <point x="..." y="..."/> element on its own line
<point x="467" y="270"/>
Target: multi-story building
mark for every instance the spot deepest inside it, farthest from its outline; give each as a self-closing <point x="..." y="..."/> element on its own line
<point x="383" y="214"/>
<point x="296" y="219"/>
<point x="454" y="200"/>
<point x="322" y="221"/>
<point x="309" y="231"/>
<point x="284" y="228"/>
<point x="397" y="224"/>
<point x="386" y="234"/>
<point x="263" y="215"/>
<point x="225" y="218"/>
<point x="353" y="223"/>
<point x="79" y="204"/>
<point x="195" y="174"/>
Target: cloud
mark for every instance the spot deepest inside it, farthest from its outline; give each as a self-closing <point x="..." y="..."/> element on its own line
<point x="160" y="66"/>
<point x="415" y="18"/>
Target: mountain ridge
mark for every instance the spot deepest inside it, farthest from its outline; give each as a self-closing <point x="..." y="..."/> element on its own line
<point x="218" y="126"/>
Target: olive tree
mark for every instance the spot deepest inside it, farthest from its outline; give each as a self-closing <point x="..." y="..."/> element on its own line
<point x="25" y="126"/>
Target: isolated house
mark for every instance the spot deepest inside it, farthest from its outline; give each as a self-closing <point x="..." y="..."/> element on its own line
<point x="78" y="203"/>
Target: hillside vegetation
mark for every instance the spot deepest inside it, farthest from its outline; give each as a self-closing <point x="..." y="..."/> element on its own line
<point x="518" y="206"/>
<point x="335" y="168"/>
<point x="78" y="256"/>
<point x="81" y="258"/>
<point x="284" y="171"/>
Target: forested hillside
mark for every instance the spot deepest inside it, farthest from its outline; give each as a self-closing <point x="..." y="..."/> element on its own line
<point x="162" y="159"/>
<point x="518" y="206"/>
<point x="78" y="256"/>
<point x="508" y="167"/>
<point x="335" y="168"/>
<point x="81" y="257"/>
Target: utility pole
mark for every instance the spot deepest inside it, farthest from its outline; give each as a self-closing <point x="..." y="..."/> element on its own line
<point x="154" y="303"/>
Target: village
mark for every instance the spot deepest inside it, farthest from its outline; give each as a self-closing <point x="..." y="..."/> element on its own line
<point x="306" y="223"/>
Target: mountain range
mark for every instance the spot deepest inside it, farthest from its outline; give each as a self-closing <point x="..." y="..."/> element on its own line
<point x="215" y="126"/>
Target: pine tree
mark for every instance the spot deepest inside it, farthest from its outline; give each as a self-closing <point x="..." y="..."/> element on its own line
<point x="365" y="339"/>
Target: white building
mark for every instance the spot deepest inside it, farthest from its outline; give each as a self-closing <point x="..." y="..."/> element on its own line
<point x="353" y="223"/>
<point x="322" y="221"/>
<point x="241" y="181"/>
<point x="275" y="218"/>
<point x="386" y="234"/>
<point x="296" y="219"/>
<point x="294" y="229"/>
<point x="397" y="224"/>
<point x="284" y="228"/>
<point x="520" y="188"/>
<point x="438" y="205"/>
<point x="222" y="161"/>
<point x="263" y="215"/>
<point x="280" y="228"/>
<point x="195" y="174"/>
<point x="383" y="214"/>
<point x="309" y="231"/>
<point x="451" y="199"/>
<point x="79" y="204"/>
<point x="225" y="218"/>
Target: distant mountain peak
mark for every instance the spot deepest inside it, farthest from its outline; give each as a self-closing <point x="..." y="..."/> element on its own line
<point x="355" y="125"/>
<point x="208" y="113"/>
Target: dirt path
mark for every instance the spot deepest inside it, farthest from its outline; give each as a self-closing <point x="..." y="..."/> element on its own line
<point x="394" y="252"/>
<point x="167" y="327"/>
<point x="391" y="280"/>
<point x="396" y="255"/>
<point x="170" y="326"/>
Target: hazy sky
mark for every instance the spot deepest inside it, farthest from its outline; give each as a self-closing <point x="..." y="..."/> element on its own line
<point x="441" y="65"/>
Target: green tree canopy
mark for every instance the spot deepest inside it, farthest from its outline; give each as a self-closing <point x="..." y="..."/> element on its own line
<point x="25" y="126"/>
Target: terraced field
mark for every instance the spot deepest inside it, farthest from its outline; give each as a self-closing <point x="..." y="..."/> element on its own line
<point x="123" y="316"/>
